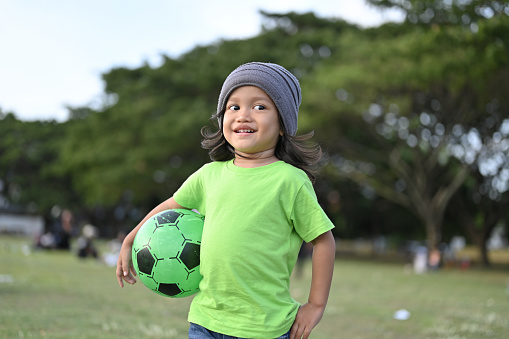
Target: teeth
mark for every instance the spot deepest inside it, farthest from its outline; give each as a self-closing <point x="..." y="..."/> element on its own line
<point x="245" y="131"/>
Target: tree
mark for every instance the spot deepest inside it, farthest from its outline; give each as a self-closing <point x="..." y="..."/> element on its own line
<point x="446" y="12"/>
<point x="27" y="179"/>
<point x="484" y="196"/>
<point x="391" y="105"/>
<point x="146" y="140"/>
<point x="411" y="91"/>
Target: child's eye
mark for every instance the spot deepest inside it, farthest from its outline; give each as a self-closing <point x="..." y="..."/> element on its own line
<point x="233" y="107"/>
<point x="259" y="107"/>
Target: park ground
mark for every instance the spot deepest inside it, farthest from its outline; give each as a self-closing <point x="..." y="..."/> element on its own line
<point x="54" y="294"/>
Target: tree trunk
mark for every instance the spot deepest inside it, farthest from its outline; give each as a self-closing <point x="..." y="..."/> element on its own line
<point x="483" y="251"/>
<point x="433" y="232"/>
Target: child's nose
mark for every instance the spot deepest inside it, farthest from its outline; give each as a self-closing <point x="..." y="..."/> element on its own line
<point x="243" y="115"/>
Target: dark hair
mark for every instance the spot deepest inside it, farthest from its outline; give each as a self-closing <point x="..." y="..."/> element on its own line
<point x="294" y="150"/>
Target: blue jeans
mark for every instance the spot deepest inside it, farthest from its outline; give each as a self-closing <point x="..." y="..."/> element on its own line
<point x="200" y="332"/>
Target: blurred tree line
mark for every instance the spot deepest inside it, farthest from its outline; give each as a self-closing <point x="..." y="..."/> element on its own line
<point x="413" y="116"/>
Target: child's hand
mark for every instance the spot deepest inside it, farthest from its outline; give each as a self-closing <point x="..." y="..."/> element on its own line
<point x="125" y="268"/>
<point x="307" y="318"/>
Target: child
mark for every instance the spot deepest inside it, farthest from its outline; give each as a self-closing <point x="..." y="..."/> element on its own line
<point x="259" y="205"/>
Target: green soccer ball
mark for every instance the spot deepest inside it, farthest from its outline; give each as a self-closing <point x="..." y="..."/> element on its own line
<point x="166" y="253"/>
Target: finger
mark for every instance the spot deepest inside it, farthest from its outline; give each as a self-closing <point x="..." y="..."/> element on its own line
<point x="293" y="331"/>
<point x="305" y="334"/>
<point x="119" y="276"/>
<point x="124" y="262"/>
<point x="129" y="278"/>
<point x="127" y="272"/>
<point x="123" y="273"/>
<point x="300" y="332"/>
<point x="120" y="282"/>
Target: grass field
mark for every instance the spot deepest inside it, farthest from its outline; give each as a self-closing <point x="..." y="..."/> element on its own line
<point x="56" y="295"/>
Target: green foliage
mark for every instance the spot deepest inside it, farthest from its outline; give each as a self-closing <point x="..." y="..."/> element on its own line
<point x="389" y="108"/>
<point x="448" y="12"/>
<point x="359" y="87"/>
<point x="147" y="142"/>
<point x="28" y="150"/>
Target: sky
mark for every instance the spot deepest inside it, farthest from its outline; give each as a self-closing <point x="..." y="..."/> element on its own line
<point x="53" y="52"/>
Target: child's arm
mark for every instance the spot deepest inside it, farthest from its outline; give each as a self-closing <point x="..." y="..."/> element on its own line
<point x="125" y="269"/>
<point x="308" y="316"/>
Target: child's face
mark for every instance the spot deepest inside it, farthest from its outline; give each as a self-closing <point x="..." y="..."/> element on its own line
<point x="251" y="122"/>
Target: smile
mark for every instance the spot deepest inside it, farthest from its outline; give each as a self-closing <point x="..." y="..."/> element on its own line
<point x="244" y="131"/>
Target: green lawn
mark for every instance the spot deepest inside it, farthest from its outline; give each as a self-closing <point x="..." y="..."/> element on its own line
<point x="56" y="295"/>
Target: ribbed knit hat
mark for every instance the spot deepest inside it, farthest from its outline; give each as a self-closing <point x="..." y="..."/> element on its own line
<point x="281" y="85"/>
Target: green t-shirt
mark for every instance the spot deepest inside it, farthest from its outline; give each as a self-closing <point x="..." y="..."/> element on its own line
<point x="255" y="221"/>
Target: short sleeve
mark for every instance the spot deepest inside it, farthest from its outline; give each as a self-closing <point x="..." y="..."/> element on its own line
<point x="190" y="194"/>
<point x="308" y="217"/>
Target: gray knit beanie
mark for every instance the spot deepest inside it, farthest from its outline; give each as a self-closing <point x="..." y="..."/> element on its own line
<point x="281" y="85"/>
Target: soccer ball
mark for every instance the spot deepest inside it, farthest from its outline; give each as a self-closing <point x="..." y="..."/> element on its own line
<point x="166" y="252"/>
